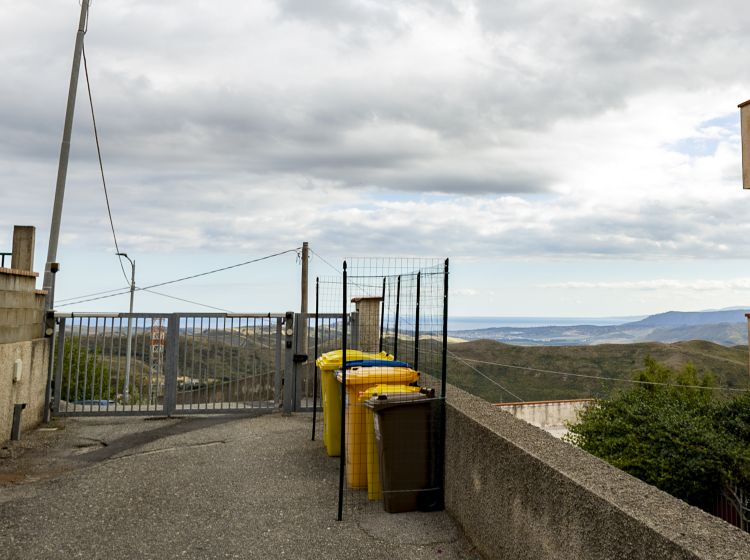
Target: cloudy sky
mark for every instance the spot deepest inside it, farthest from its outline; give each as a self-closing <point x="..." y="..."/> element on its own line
<point x="571" y="158"/>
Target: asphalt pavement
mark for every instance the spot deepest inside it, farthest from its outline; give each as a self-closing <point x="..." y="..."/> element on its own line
<point x="195" y="487"/>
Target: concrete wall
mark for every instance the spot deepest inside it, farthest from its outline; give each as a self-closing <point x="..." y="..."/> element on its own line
<point x="519" y="493"/>
<point x="551" y="416"/>
<point x="29" y="389"/>
<point x="21" y="325"/>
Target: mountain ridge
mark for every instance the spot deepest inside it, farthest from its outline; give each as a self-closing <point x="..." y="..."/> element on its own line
<point x="725" y="327"/>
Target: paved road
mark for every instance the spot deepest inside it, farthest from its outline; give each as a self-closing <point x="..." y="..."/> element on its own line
<point x="197" y="487"/>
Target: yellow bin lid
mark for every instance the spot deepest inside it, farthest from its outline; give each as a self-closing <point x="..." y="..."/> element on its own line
<point x="379" y="375"/>
<point x="385" y="388"/>
<point x="331" y="361"/>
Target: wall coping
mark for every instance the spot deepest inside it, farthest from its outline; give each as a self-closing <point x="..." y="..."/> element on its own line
<point x="693" y="530"/>
<point x="524" y="403"/>
<point x="18" y="272"/>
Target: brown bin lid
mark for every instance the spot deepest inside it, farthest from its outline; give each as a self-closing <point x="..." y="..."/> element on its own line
<point x="388" y="400"/>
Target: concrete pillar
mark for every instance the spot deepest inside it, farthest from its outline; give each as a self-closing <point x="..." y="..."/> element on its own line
<point x="368" y="314"/>
<point x="745" y="132"/>
<point x="23" y="248"/>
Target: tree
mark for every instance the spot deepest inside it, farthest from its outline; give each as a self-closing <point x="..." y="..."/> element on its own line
<point x="674" y="432"/>
<point x="85" y="374"/>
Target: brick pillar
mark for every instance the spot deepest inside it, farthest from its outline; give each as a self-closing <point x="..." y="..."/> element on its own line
<point x="368" y="313"/>
<point x="23" y="248"/>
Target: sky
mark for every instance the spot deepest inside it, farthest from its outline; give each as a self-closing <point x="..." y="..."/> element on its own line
<point x="570" y="158"/>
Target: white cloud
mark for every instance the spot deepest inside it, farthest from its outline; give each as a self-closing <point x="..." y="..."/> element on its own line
<point x="735" y="284"/>
<point x="456" y="128"/>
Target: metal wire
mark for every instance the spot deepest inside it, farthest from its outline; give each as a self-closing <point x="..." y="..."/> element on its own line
<point x="99" y="155"/>
<point x="605" y="378"/>
<point x="177" y="279"/>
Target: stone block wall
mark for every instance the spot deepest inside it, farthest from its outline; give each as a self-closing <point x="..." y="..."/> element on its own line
<point x="520" y="493"/>
<point x="21" y="306"/>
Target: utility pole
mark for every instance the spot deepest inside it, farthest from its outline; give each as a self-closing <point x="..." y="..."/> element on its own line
<point x="62" y="168"/>
<point x="303" y="299"/>
<point x="745" y="139"/>
<point x="125" y="396"/>
<point x="745" y="136"/>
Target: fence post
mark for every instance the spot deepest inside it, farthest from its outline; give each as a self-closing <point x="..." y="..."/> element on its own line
<point x="277" y="382"/>
<point x="300" y="349"/>
<point x="170" y="364"/>
<point x="288" y="383"/>
<point x="59" y="365"/>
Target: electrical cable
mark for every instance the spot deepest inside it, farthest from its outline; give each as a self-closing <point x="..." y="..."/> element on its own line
<point x="175" y="280"/>
<point x="186" y="300"/>
<point x="99" y="155"/>
<point x="220" y="269"/>
<point x="95" y="294"/>
<point x="94" y="299"/>
<point x="338" y="270"/>
<point x="626" y="380"/>
<point x="487" y="377"/>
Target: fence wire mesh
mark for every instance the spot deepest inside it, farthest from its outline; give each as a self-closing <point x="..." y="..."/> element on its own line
<point x="384" y="412"/>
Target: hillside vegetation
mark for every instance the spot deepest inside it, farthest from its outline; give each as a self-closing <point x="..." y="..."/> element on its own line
<point x="621" y="361"/>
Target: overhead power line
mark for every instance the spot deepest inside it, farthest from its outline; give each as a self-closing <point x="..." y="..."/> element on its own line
<point x="487" y="377"/>
<point x="338" y="270"/>
<point x="186" y="300"/>
<point x="94" y="298"/>
<point x="220" y="269"/>
<point x="95" y="294"/>
<point x="182" y="279"/>
<point x="626" y="380"/>
<point x="99" y="155"/>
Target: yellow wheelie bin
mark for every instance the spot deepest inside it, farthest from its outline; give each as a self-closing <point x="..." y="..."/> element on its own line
<point x="374" y="489"/>
<point x="358" y="379"/>
<point x="331" y="393"/>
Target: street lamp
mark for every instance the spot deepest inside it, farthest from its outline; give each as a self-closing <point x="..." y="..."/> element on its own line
<point x="130" y="331"/>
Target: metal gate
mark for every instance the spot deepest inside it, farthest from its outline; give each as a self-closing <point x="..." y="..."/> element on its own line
<point x="165" y="364"/>
<point x="313" y="336"/>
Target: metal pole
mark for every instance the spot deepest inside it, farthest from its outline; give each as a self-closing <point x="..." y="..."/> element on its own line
<point x="342" y="455"/>
<point x="445" y="331"/>
<point x="416" y="324"/>
<point x="289" y="381"/>
<point x="62" y="168"/>
<point x="303" y="300"/>
<point x="382" y="317"/>
<point x="125" y="395"/>
<point x="315" y="370"/>
<point x="395" y="326"/>
<point x="47" y="414"/>
<point x="171" y="364"/>
<point x="443" y="411"/>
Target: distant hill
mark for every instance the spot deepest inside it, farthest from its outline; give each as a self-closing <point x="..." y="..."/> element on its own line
<point x="690" y="318"/>
<point x="727" y="327"/>
<point x="729" y="364"/>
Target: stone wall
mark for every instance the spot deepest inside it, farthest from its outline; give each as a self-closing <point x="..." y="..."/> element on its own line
<point x="551" y="416"/>
<point x="22" y="346"/>
<point x="520" y="493"/>
<point x="21" y="306"/>
<point x="29" y="389"/>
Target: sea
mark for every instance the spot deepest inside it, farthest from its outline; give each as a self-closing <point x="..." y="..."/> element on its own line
<point x="460" y="323"/>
